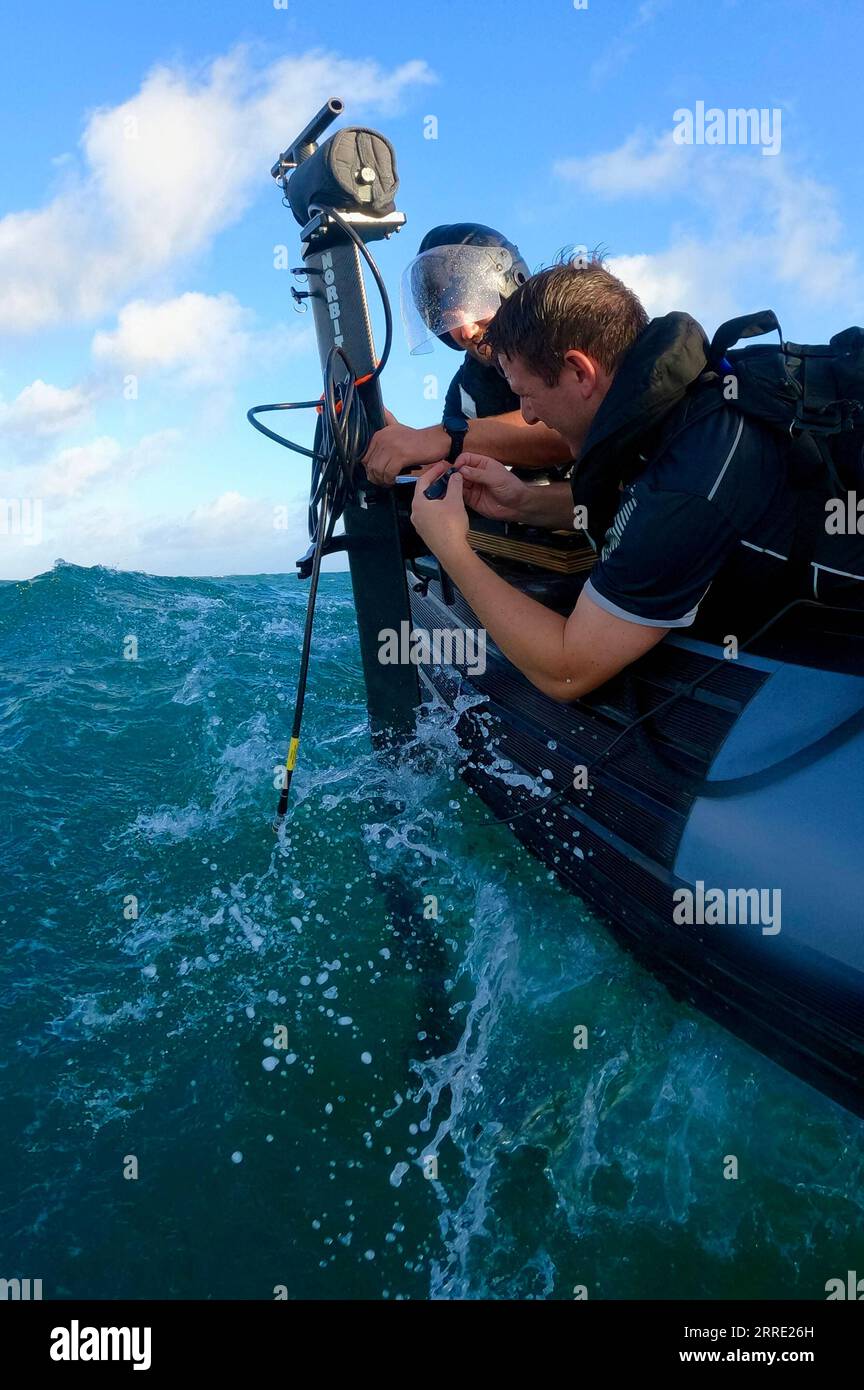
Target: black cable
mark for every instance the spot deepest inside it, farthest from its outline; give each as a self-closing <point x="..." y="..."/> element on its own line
<point x="382" y="289"/>
<point x="299" y="702"/>
<point x="280" y="438"/>
<point x="342" y="436"/>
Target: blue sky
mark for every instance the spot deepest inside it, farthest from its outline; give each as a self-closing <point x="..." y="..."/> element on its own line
<point x="140" y="311"/>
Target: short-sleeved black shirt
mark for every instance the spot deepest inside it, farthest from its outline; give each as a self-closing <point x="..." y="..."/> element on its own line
<point x="713" y="511"/>
<point x="477" y="392"/>
<point x="716" y="517"/>
<point x="716" y="527"/>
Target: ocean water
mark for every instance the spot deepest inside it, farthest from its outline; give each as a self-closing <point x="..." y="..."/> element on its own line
<point x="324" y="1093"/>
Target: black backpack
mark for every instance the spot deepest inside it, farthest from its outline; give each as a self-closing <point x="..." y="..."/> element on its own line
<point x="813" y="395"/>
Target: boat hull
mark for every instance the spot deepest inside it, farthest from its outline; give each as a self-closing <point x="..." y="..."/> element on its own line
<point x="716" y="792"/>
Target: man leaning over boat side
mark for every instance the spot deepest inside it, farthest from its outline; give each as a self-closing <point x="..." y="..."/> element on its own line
<point x="457" y="281"/>
<point x="691" y="506"/>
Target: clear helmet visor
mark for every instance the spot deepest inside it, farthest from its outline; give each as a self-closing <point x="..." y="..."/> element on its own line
<point x="451" y="286"/>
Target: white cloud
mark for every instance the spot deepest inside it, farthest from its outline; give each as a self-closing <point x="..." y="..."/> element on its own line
<point x="640" y="165"/>
<point x="200" y="339"/>
<point x="742" y="226"/>
<point x="808" y="239"/>
<point x="72" y="471"/>
<point x="41" y="409"/>
<point x="231" y="534"/>
<point x="215" y="522"/>
<point x="202" y="336"/>
<point x="662" y="282"/>
<point x="626" y="42"/>
<point x="161" y="174"/>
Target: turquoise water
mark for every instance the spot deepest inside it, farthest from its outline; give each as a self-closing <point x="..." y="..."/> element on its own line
<point x="151" y="1038"/>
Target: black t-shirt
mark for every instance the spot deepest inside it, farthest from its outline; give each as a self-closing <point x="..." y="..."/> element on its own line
<point x="715" y="512"/>
<point x="477" y="392"/>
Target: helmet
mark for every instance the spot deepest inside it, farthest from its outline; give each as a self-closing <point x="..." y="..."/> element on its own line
<point x="461" y="274"/>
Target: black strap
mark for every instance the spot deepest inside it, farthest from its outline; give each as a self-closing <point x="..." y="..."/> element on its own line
<point x="747" y="326"/>
<point x="837" y="488"/>
<point x="810" y="517"/>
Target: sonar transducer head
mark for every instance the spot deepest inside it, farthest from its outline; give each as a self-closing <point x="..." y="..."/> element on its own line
<point x="435" y="491"/>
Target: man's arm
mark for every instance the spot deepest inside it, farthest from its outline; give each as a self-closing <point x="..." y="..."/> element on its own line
<point x="505" y="437"/>
<point x="550" y="506"/>
<point x="492" y="490"/>
<point x="510" y="439"/>
<point x="565" y="658"/>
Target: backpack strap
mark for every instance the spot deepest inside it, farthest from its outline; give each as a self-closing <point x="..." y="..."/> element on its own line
<point x="817" y="440"/>
<point x="818" y="410"/>
<point x="746" y="326"/>
<point x="703" y="398"/>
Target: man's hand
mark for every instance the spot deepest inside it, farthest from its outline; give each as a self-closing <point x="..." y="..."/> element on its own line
<point x="491" y="489"/>
<point x="398" y="446"/>
<point x="443" y="522"/>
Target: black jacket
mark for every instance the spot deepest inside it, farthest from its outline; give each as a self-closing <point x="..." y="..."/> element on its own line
<point x="693" y="507"/>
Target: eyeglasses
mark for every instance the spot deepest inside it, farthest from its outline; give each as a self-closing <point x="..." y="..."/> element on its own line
<point x="489" y="356"/>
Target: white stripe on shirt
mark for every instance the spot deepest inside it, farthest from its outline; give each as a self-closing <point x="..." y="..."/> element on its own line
<point x="718" y="480"/>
